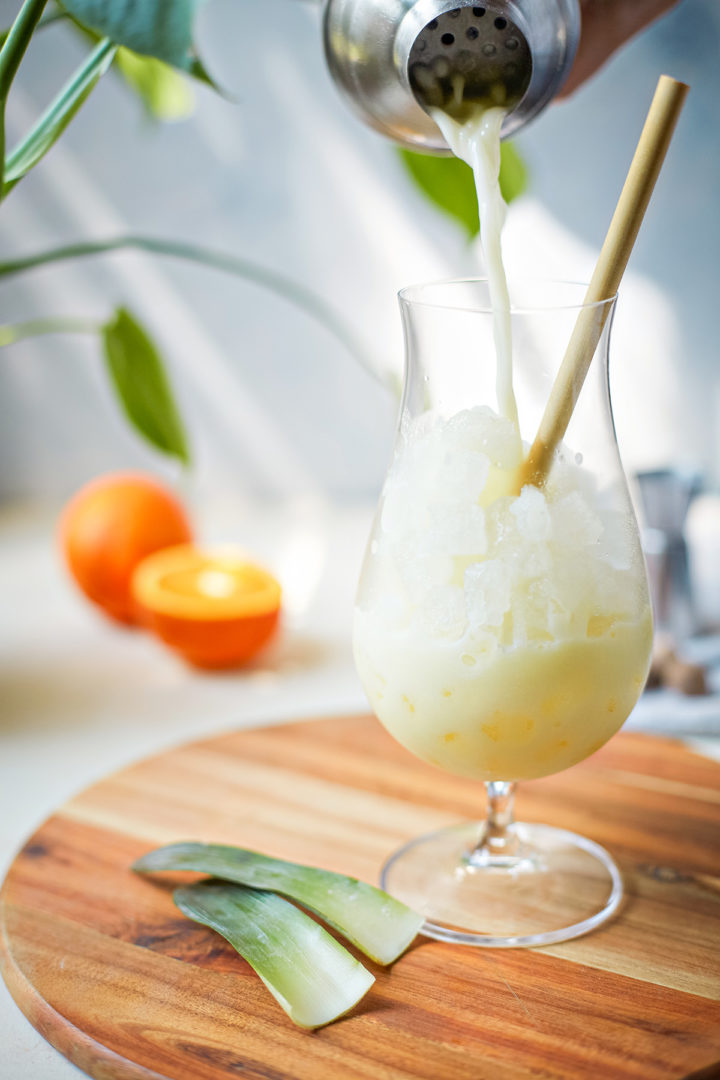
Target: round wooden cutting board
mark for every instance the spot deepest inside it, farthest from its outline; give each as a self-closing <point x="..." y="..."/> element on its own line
<point x="107" y="969"/>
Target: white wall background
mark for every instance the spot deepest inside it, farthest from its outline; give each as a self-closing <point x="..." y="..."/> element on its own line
<point x="289" y="178"/>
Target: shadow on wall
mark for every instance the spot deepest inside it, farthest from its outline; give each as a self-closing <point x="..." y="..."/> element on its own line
<point x="291" y="179"/>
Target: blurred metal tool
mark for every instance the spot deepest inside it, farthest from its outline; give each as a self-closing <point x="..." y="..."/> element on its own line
<point x="394" y="59"/>
<point x="665" y="496"/>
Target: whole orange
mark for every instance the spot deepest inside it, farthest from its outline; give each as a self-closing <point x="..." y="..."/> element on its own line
<point x="109" y="526"/>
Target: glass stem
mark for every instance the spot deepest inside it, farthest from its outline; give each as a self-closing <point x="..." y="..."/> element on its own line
<point x="498" y="841"/>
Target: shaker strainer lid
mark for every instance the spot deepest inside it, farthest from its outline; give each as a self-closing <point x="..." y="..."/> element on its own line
<point x="394" y="60"/>
<point x="467" y="55"/>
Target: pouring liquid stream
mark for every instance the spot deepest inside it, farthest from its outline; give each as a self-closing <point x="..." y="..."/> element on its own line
<point x="476" y="141"/>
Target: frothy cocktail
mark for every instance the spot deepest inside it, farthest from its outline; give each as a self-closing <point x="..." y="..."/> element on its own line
<point x="500" y="637"/>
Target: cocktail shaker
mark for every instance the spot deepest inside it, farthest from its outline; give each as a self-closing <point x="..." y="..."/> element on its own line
<point x="665" y="497"/>
<point x="395" y="59"/>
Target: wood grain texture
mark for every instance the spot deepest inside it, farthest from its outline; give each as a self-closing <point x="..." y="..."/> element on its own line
<point x="104" y="966"/>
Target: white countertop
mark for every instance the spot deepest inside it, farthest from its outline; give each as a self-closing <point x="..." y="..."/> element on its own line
<point x="80" y="697"/>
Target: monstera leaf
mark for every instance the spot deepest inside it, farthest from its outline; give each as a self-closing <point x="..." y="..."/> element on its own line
<point x="162" y="29"/>
<point x="163" y="91"/>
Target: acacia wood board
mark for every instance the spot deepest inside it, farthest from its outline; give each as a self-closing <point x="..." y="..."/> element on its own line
<point x="106" y="968"/>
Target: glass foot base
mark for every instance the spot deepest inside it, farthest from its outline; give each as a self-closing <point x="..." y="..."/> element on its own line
<point x="554" y="886"/>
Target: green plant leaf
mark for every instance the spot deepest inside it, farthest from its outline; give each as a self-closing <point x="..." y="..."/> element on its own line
<point x="159" y="28"/>
<point x="376" y="923"/>
<point x="56" y="118"/>
<point x="139" y="378"/>
<point x="513" y="172"/>
<point x="164" y="92"/>
<point x="448" y="182"/>
<point x="310" y="974"/>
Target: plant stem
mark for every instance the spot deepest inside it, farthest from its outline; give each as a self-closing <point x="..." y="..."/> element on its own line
<point x="47" y="20"/>
<point x="11" y="333"/>
<point x="296" y="294"/>
<point x="11" y="54"/>
<point x="17" y="42"/>
<point x="58" y="115"/>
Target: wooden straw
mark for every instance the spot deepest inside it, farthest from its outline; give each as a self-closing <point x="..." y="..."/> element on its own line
<point x="634" y="198"/>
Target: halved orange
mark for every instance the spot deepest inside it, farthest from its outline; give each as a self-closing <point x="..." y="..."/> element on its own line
<point x="212" y="606"/>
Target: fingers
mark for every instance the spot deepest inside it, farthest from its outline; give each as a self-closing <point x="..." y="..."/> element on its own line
<point x="606" y="26"/>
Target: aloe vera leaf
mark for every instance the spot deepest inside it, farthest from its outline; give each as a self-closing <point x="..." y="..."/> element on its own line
<point x="307" y="971"/>
<point x="375" y="922"/>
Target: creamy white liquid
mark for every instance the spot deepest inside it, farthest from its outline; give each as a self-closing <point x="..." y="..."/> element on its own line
<point x="476" y="141"/>
<point x="498" y="636"/>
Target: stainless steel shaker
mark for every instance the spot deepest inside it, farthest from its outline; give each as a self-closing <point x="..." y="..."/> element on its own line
<point x="665" y="498"/>
<point x="395" y="59"/>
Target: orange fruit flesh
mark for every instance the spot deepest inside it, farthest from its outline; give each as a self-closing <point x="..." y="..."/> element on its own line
<point x="213" y="607"/>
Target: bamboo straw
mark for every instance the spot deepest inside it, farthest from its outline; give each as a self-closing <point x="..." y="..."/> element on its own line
<point x="644" y="170"/>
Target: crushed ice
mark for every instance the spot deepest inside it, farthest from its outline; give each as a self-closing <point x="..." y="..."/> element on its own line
<point x="461" y="558"/>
